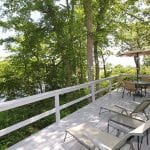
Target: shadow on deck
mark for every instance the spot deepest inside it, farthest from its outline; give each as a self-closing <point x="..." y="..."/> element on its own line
<point x="51" y="138"/>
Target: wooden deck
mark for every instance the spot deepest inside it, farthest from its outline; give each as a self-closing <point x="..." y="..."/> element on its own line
<point x="51" y="137"/>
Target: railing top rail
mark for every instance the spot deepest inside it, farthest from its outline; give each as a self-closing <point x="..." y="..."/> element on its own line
<point x="34" y="98"/>
<point x="134" y="75"/>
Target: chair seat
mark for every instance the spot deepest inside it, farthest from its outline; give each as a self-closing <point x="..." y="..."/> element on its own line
<point x="78" y="133"/>
<point x="139" y="109"/>
<point x="87" y="134"/>
<point x="116" y="109"/>
<point x="126" y="121"/>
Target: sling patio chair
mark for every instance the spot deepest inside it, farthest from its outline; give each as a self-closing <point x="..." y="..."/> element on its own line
<point x="139" y="108"/>
<point x="126" y="121"/>
<point x="93" y="138"/>
<point x="121" y="122"/>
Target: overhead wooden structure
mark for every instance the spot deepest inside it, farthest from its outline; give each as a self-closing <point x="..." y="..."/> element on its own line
<point x="136" y="55"/>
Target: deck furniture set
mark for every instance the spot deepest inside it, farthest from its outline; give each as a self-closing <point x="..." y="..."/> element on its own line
<point x="93" y="138"/>
<point x="134" y="87"/>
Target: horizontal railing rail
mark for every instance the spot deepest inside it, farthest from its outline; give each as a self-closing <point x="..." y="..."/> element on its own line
<point x="4" y="106"/>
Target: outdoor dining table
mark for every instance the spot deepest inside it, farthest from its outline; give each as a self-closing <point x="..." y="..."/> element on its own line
<point x="142" y="85"/>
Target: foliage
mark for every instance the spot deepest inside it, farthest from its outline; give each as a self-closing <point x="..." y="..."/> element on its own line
<point x="147" y="61"/>
<point x="49" y="50"/>
<point x="49" y="45"/>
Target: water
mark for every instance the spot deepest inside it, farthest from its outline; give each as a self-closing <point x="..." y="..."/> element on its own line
<point x="2" y="100"/>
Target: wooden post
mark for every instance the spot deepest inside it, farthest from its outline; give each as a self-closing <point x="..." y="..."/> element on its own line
<point x="110" y="86"/>
<point x="57" y="108"/>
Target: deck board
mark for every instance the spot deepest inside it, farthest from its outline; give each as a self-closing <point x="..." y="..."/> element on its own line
<point x="51" y="137"/>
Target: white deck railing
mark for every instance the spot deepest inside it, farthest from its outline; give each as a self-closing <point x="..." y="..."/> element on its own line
<point x="56" y="94"/>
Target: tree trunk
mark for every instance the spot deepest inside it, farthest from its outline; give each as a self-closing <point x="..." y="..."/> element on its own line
<point x="96" y="61"/>
<point x="89" y="26"/>
<point x="104" y="66"/>
<point x="103" y="4"/>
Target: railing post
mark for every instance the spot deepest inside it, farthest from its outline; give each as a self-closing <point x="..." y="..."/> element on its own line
<point x="93" y="92"/>
<point x="57" y="108"/>
<point x="110" y="86"/>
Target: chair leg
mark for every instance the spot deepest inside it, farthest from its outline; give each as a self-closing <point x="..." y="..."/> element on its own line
<point x="131" y="146"/>
<point x="141" y="91"/>
<point x="145" y="91"/>
<point x="118" y="133"/>
<point x="100" y="111"/>
<point x="138" y="143"/>
<point x="117" y="89"/>
<point x="108" y="126"/>
<point x="147" y="137"/>
<point x="65" y="136"/>
<point x="123" y="92"/>
<point x="146" y="116"/>
<point x="133" y="96"/>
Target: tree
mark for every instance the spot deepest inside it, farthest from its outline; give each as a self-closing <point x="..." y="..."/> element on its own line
<point x="104" y="55"/>
<point x="102" y="6"/>
<point x="89" y="26"/>
<point x="55" y="48"/>
<point x="49" y="50"/>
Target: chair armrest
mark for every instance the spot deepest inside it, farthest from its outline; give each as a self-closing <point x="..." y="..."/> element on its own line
<point x="135" y="103"/>
<point x="123" y="109"/>
<point x="141" y="129"/>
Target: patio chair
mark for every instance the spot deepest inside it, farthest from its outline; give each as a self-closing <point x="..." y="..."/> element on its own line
<point x="121" y="122"/>
<point x="130" y="87"/>
<point x="125" y="121"/>
<point x="145" y="79"/>
<point x="120" y="83"/>
<point x="139" y="108"/>
<point x="92" y="138"/>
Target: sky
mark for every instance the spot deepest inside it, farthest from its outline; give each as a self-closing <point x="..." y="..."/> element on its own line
<point x="3" y="52"/>
<point x="124" y="61"/>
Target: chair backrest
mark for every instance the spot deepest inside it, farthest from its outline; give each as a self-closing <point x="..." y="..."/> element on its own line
<point x="139" y="131"/>
<point x="146" y="78"/>
<point x="120" y="79"/>
<point x="129" y="85"/>
<point x="142" y="106"/>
